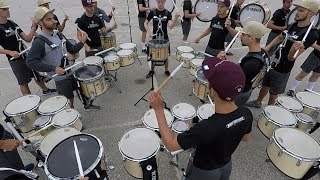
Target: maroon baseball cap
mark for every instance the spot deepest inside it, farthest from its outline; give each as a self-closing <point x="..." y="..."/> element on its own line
<point x="224" y="2"/>
<point x="225" y="77"/>
<point x="87" y="3"/>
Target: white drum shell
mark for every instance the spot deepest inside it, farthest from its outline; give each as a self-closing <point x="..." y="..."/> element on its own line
<point x="195" y="65"/>
<point x="126" y="57"/>
<point x="184" y="112"/>
<point x="111" y="62"/>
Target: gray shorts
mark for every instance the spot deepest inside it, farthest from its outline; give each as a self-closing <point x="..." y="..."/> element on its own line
<point x="271" y="36"/>
<point x="186" y="26"/>
<point x="242" y="98"/>
<point x="21" y="71"/>
<point x="66" y="87"/>
<point x="211" y="51"/>
<point x="276" y="81"/>
<point x="194" y="173"/>
<point x="312" y="63"/>
<point x="141" y="24"/>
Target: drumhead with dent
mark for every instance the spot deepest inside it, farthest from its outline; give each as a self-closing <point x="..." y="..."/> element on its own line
<point x="65" y="117"/>
<point x="290" y="103"/>
<point x="52" y="105"/>
<point x="183" y="111"/>
<point x="205" y="111"/>
<point x="185" y="49"/>
<point x="279" y="115"/>
<point x="150" y="119"/>
<point x="22" y="104"/>
<point x="309" y="99"/>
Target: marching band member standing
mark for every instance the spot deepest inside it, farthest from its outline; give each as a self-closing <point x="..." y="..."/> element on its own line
<point x="143" y="11"/>
<point x="188" y="15"/>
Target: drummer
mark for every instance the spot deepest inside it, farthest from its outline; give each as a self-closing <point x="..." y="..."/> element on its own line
<point x="42" y="57"/>
<point x="101" y="13"/>
<point x="188" y="15"/>
<point x="92" y="24"/>
<point x="143" y="9"/>
<point x="219" y="28"/>
<point x="167" y="23"/>
<point x="212" y="159"/>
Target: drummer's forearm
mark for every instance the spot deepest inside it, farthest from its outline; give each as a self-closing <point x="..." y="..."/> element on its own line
<point x="206" y="33"/>
<point x="232" y="31"/>
<point x="270" y="25"/>
<point x="172" y="23"/>
<point x="146" y="26"/>
<point x="74" y="48"/>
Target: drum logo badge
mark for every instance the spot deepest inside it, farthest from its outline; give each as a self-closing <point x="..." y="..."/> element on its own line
<point x="253" y="9"/>
<point x="83" y="139"/>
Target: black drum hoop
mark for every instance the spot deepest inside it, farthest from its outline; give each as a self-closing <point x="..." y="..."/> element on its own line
<point x="194" y="9"/>
<point x="264" y="12"/>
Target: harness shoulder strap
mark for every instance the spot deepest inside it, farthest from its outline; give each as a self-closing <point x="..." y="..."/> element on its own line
<point x="47" y="41"/>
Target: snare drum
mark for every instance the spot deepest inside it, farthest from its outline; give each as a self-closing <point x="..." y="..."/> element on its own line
<point x="201" y="86"/>
<point x="136" y="146"/>
<point x="208" y="10"/>
<point x="274" y="117"/>
<point x="254" y="12"/>
<point x="53" y="105"/>
<point x="93" y="60"/>
<point x="184" y="112"/>
<point x="150" y="120"/>
<point x="195" y="65"/>
<point x="168" y="5"/>
<point x="41" y="122"/>
<point x="111" y="62"/>
<point x="186" y="58"/>
<point x="73" y="57"/>
<point x="293" y="151"/>
<point x="159" y="49"/>
<point x="205" y="111"/>
<point x="289" y="104"/>
<point x="23" y="111"/>
<point x="179" y="127"/>
<point x="126" y="57"/>
<point x="310" y="102"/>
<point x="61" y="162"/>
<point x="305" y="121"/>
<point x="130" y="46"/>
<point x="293" y="12"/>
<point x="91" y="79"/>
<point x="182" y="49"/>
<point x="108" y="40"/>
<point x="54" y="138"/>
<point x="67" y="118"/>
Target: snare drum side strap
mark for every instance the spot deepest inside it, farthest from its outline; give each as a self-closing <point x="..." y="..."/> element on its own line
<point x="150" y="169"/>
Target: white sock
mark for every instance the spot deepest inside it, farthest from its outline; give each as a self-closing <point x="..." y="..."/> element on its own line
<point x="295" y="84"/>
<point x="310" y="85"/>
<point x="143" y="45"/>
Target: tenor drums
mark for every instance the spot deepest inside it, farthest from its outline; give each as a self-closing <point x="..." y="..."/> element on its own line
<point x="93" y="60"/>
<point x="195" y="65"/>
<point x="179" y="127"/>
<point x="75" y="56"/>
<point x="67" y="118"/>
<point x="205" y="111"/>
<point x="310" y="102"/>
<point x="61" y="163"/>
<point x="201" y="86"/>
<point x="293" y="12"/>
<point x="41" y="122"/>
<point x="111" y="62"/>
<point x="305" y="121"/>
<point x="293" y="152"/>
<point x="126" y="57"/>
<point x="136" y="146"/>
<point x="186" y="58"/>
<point x="150" y="120"/>
<point x="289" y="104"/>
<point x="254" y="12"/>
<point x="168" y="5"/>
<point x="53" y="105"/>
<point x="54" y="138"/>
<point x="23" y="111"/>
<point x="108" y="40"/>
<point x="208" y="10"/>
<point x="91" y="79"/>
<point x="130" y="46"/>
<point x="274" y="117"/>
<point x="159" y="49"/>
<point x="182" y="49"/>
<point x="184" y="112"/>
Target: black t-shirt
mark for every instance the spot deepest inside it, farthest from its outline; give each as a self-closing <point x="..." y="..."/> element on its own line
<point x="217" y="137"/>
<point x="316" y="52"/>
<point x="279" y="18"/>
<point x="285" y="66"/>
<point x="187" y="6"/>
<point x="251" y="66"/>
<point x="56" y="18"/>
<point x="8" y="39"/>
<point x="218" y="32"/>
<point x="91" y="25"/>
<point x="1" y="131"/>
<point x="164" y="28"/>
<point x="235" y="12"/>
<point x="142" y="13"/>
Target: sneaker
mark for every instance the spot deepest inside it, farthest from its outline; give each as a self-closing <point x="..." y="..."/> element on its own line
<point x="167" y="73"/>
<point x="29" y="167"/>
<point x="92" y="108"/>
<point x="149" y="74"/>
<point x="290" y="93"/>
<point x="254" y="104"/>
<point x="229" y="54"/>
<point x="49" y="91"/>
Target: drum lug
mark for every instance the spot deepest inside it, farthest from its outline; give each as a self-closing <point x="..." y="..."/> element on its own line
<point x="267" y="123"/>
<point x="280" y="153"/>
<point x="299" y="163"/>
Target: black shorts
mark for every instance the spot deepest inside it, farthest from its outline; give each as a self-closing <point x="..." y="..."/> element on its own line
<point x="21" y="71"/>
<point x="186" y="26"/>
<point x="66" y="87"/>
<point x="276" y="81"/>
<point x="312" y="63"/>
<point x="141" y="24"/>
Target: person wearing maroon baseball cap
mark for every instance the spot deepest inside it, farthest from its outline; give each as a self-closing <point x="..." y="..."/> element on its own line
<point x="217" y="137"/>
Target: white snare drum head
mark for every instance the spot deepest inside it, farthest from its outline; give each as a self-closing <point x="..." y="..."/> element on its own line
<point x="127" y="46"/>
<point x="41" y="121"/>
<point x="111" y="58"/>
<point x="197" y="62"/>
<point x="279" y="115"/>
<point x="95" y="60"/>
<point x="208" y="10"/>
<point x="22" y="104"/>
<point x="54" y="137"/>
<point x="53" y="105"/>
<point x="289" y="103"/>
<point x="205" y="111"/>
<point x="251" y="12"/>
<point x="183" y="111"/>
<point x="124" y="52"/>
<point x="188" y="56"/>
<point x="179" y="126"/>
<point x="309" y="99"/>
<point x="65" y="117"/>
<point x="185" y="49"/>
<point x="298" y="143"/>
<point x="293" y="12"/>
<point x="139" y="144"/>
<point x="150" y="119"/>
<point x="303" y="117"/>
<point x="200" y="77"/>
<point x="168" y="5"/>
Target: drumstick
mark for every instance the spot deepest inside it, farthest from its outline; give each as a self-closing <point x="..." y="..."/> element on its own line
<point x="37" y="132"/>
<point x="231" y="9"/>
<point x="211" y="102"/>
<point x="205" y="53"/>
<point x="21" y="53"/>
<point x="313" y="92"/>
<point x="106" y="50"/>
<point x="204" y="10"/>
<point x="78" y="158"/>
<point x="177" y="9"/>
<point x="174" y="153"/>
<point x="170" y="77"/>
<point x="232" y="41"/>
<point x="245" y="19"/>
<point x="68" y="68"/>
<point x="304" y="38"/>
<point x="113" y="5"/>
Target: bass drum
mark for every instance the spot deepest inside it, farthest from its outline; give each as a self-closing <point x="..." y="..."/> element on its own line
<point x="254" y="12"/>
<point x="293" y="12"/>
<point x="208" y="10"/>
<point x="168" y="5"/>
